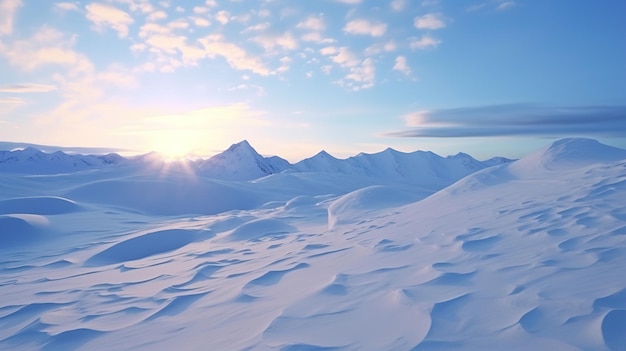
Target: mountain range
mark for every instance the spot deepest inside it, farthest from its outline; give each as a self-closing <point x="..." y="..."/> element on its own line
<point x="242" y="162"/>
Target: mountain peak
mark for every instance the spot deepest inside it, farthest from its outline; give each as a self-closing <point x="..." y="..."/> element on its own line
<point x="243" y="145"/>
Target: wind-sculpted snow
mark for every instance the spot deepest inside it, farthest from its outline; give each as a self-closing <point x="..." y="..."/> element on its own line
<point x="41" y="205"/>
<point x="520" y="256"/>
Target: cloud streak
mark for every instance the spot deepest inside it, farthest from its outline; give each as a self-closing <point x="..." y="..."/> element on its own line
<point x="27" y="88"/>
<point x="516" y="120"/>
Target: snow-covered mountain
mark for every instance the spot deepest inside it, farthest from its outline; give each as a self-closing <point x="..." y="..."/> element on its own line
<point x="242" y="162"/>
<point x="330" y="255"/>
<point x="31" y="160"/>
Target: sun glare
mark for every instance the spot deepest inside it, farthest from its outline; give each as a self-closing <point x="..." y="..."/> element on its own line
<point x="174" y="151"/>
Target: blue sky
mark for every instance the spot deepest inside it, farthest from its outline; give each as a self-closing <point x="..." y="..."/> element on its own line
<point x="487" y="77"/>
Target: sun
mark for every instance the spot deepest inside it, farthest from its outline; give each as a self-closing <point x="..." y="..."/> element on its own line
<point x="174" y="151"/>
<point x="175" y="146"/>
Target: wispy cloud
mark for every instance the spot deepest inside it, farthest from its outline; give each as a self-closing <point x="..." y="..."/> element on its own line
<point x="11" y="101"/>
<point x="365" y="27"/>
<point x="378" y="48"/>
<point x="313" y="23"/>
<point x="67" y="6"/>
<point x="398" y="5"/>
<point x="362" y="76"/>
<point x="156" y="16"/>
<point x="103" y="16"/>
<point x="285" y="41"/>
<point x="516" y="119"/>
<point x="8" y="8"/>
<point x="424" y="42"/>
<point x="222" y="17"/>
<point x="27" y="88"/>
<point x="401" y="65"/>
<point x="429" y="21"/>
<point x="351" y="2"/>
<point x="46" y="47"/>
<point x="505" y="5"/>
<point x="216" y="45"/>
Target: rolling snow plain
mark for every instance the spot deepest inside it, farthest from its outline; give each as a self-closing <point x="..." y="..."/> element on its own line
<point x="386" y="251"/>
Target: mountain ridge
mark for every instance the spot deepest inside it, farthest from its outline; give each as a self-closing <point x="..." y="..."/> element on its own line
<point x="241" y="162"/>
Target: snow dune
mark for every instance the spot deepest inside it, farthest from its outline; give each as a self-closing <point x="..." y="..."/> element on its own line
<point x="518" y="256"/>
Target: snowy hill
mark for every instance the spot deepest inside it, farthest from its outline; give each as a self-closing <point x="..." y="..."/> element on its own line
<point x="331" y="255"/>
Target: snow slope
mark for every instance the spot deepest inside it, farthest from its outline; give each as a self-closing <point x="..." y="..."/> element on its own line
<point x="522" y="255"/>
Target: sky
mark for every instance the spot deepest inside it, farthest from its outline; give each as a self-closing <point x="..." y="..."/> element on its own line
<point x="485" y="77"/>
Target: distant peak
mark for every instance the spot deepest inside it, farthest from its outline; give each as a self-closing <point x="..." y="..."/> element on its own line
<point x="242" y="144"/>
<point x="390" y="150"/>
<point x="242" y="147"/>
<point x="460" y="155"/>
<point x="323" y="154"/>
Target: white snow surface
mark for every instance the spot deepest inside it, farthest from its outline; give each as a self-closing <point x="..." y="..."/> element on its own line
<point x="388" y="251"/>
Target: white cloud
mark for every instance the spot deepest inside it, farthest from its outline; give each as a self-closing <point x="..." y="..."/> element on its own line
<point x="264" y="13"/>
<point x="143" y="6"/>
<point x="27" y="88"/>
<point x="362" y="76"/>
<point x="425" y="42"/>
<point x="201" y="22"/>
<point x="429" y="21"/>
<point x="211" y="3"/>
<point x="401" y="65"/>
<point x="312" y="23"/>
<point x="178" y="24"/>
<point x="345" y="58"/>
<point x="8" y="8"/>
<point x="365" y="27"/>
<point x="222" y="17"/>
<point x="67" y="6"/>
<point x="351" y="2"/>
<point x="285" y="41"/>
<point x="46" y="47"/>
<point x="398" y="5"/>
<point x="155" y="16"/>
<point x="237" y="58"/>
<point x="108" y="16"/>
<point x="375" y="49"/>
<point x="329" y="50"/>
<point x="317" y="37"/>
<point x="200" y="10"/>
<point x="284" y="64"/>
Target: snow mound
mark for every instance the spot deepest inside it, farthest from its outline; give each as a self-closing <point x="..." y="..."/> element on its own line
<point x="168" y="196"/>
<point x="21" y="228"/>
<point x="39" y="205"/>
<point x="261" y="228"/>
<point x="566" y="154"/>
<point x="352" y="205"/>
<point x="143" y="246"/>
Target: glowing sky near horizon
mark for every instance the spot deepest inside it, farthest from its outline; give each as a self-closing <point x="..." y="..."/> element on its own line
<point x="487" y="77"/>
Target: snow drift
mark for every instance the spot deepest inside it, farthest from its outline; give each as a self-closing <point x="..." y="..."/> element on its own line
<point x="422" y="253"/>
